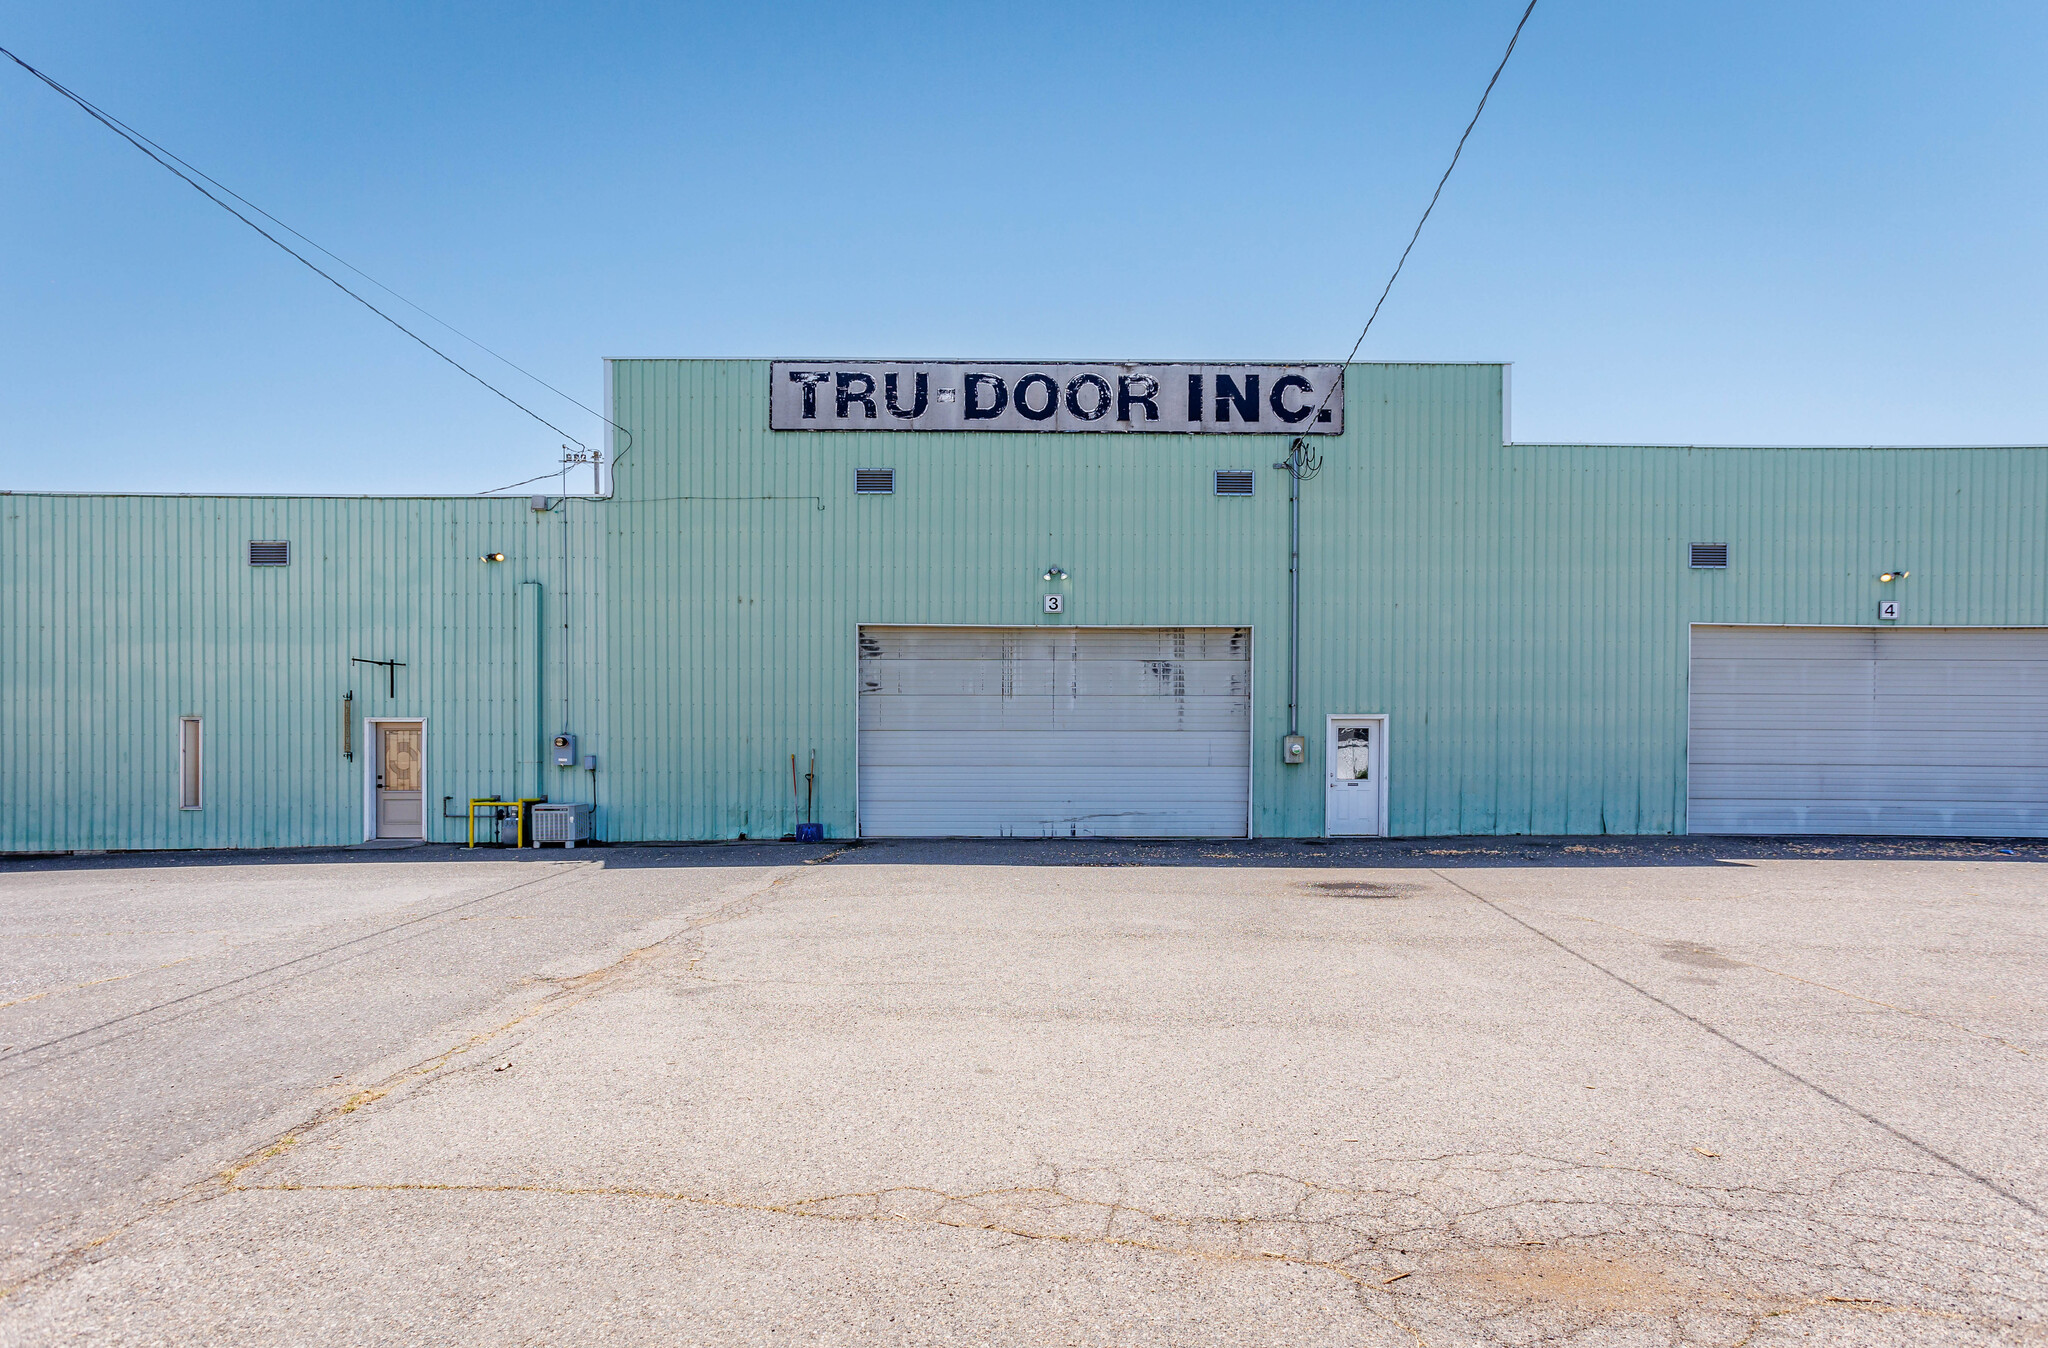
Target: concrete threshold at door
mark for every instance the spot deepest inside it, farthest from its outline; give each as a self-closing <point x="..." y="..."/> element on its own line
<point x="386" y="844"/>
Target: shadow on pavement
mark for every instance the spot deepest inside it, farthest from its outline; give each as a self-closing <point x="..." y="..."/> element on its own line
<point x="1366" y="853"/>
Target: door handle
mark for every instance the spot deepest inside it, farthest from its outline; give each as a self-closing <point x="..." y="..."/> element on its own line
<point x="380" y="782"/>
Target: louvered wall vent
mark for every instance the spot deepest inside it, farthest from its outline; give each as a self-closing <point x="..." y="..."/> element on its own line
<point x="1710" y="555"/>
<point x="273" y="553"/>
<point x="1235" y="482"/>
<point x="874" y="481"/>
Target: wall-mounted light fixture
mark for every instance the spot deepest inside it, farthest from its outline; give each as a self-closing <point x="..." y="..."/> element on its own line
<point x="1055" y="572"/>
<point x="494" y="557"/>
<point x="1890" y="576"/>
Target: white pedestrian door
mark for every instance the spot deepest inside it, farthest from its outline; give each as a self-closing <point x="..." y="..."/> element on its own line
<point x="1351" y="805"/>
<point x="400" y="813"/>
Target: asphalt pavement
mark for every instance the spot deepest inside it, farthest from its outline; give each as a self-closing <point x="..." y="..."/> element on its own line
<point x="1584" y="1091"/>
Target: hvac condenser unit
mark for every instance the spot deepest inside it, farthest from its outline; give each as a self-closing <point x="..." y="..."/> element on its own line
<point x="564" y="824"/>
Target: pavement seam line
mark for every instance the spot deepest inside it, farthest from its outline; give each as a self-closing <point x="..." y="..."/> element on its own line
<point x="1950" y="1162"/>
<point x="568" y="992"/>
<point x="14" y="1055"/>
<point x="1809" y="982"/>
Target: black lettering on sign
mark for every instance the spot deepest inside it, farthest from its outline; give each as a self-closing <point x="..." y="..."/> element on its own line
<point x="810" y="379"/>
<point x="864" y="395"/>
<point x="1136" y="390"/>
<point x="1052" y="396"/>
<point x="1227" y="394"/>
<point x="974" y="409"/>
<point x="1195" y="398"/>
<point x="917" y="408"/>
<point x="1102" y="396"/>
<point x="1290" y="415"/>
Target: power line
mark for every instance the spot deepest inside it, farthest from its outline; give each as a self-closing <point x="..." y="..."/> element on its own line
<point x="552" y="472"/>
<point x="172" y="164"/>
<point x="1388" y="288"/>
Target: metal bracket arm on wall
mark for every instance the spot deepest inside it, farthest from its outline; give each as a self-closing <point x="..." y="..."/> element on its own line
<point x="391" y="667"/>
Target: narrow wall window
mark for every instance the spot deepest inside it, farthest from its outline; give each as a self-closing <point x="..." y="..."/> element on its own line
<point x="188" y="763"/>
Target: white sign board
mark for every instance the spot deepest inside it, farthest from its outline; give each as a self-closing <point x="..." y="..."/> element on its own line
<point x="837" y="395"/>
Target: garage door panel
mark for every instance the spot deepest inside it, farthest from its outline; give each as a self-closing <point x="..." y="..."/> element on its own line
<point x="1846" y="783"/>
<point x="1098" y="791"/>
<point x="1863" y="745"/>
<point x="1966" y="678"/>
<point x="1815" y="678"/>
<point x="976" y="678"/>
<point x="1045" y="643"/>
<point x="1077" y="748"/>
<point x="960" y="678"/>
<point x="1827" y="817"/>
<point x="1937" y="731"/>
<point x="964" y="713"/>
<point x="1945" y="644"/>
<point x="1071" y="732"/>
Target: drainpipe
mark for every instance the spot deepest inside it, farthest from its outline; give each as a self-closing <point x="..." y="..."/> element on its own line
<point x="1300" y="463"/>
<point x="1293" y="597"/>
<point x="528" y="732"/>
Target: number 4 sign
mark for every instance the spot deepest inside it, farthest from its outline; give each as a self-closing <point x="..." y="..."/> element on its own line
<point x="1888" y="611"/>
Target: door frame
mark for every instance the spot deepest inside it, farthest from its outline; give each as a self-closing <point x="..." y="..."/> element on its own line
<point x="1329" y="732"/>
<point x="374" y="760"/>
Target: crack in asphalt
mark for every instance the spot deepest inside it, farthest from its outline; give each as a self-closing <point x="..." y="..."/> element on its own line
<point x="567" y="992"/>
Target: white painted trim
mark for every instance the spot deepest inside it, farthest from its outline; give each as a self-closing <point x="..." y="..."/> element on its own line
<point x="1329" y="730"/>
<point x="1251" y="731"/>
<point x="374" y="759"/>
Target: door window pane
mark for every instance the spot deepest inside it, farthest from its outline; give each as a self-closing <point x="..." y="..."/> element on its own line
<point x="402" y="759"/>
<point x="1354" y="753"/>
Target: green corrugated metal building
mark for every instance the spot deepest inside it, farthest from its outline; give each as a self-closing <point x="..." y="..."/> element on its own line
<point x="1494" y="637"/>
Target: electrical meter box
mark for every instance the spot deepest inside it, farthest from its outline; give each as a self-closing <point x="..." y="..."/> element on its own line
<point x="565" y="751"/>
<point x="1293" y="749"/>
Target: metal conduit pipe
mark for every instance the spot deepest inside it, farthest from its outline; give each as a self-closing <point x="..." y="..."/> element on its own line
<point x="1294" y="590"/>
<point x="529" y="716"/>
<point x="1301" y="463"/>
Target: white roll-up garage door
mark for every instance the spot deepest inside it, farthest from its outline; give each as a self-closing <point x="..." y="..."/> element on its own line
<point x="1934" y="731"/>
<point x="1055" y="732"/>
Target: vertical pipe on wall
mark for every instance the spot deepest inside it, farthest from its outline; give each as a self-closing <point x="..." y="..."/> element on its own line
<point x="527" y="734"/>
<point x="1294" y="589"/>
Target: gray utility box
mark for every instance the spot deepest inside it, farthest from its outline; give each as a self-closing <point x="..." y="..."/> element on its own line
<point x="565" y="824"/>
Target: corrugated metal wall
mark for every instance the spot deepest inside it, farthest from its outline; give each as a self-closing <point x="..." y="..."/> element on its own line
<point x="124" y="613"/>
<point x="1520" y="612"/>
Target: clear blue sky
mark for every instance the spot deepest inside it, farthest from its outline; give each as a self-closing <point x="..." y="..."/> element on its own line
<point x="1741" y="223"/>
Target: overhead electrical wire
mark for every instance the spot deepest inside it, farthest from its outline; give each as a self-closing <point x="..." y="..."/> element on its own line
<point x="552" y="472"/>
<point x="187" y="174"/>
<point x="1388" y="288"/>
